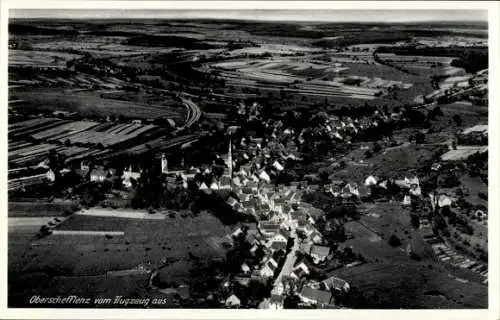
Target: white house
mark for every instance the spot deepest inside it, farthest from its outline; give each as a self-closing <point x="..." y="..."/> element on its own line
<point x="233" y="301"/>
<point x="269" y="268"/>
<point x="444" y="201"/>
<point x="370" y="181"/>
<point x="278" y="166"/>
<point x="265" y="177"/>
<point x="406" y="200"/>
<point x="245" y="268"/>
<point x="98" y="175"/>
<point x="319" y="253"/>
<point x="50" y="175"/>
<point x="129" y="174"/>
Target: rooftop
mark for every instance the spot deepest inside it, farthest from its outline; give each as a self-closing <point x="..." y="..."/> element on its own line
<point x="317" y="295"/>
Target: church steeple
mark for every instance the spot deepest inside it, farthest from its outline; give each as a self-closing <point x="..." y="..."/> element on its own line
<point x="230" y="159"/>
<point x="164" y="164"/>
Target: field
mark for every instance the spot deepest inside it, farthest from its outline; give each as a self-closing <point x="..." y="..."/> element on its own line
<point x="462" y="153"/>
<point x="413" y="285"/>
<point x="145" y="241"/>
<point x="39" y="209"/>
<point x="393" y="163"/>
<point x="390" y="278"/>
<point x="60" y="259"/>
<point x="371" y="233"/>
<point x="308" y="78"/>
<point x="40" y="58"/>
<point x="90" y="103"/>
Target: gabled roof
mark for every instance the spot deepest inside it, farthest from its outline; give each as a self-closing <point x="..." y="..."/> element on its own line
<point x="278" y="245"/>
<point x="277" y="299"/>
<point x="321" y="251"/>
<point x="319" y="296"/>
<point x="336" y="283"/>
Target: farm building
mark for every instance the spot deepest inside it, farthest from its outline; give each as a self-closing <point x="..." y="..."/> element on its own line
<point x="314" y="296"/>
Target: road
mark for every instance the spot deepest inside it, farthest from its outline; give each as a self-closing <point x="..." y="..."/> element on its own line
<point x="193" y="112"/>
<point x="287" y="268"/>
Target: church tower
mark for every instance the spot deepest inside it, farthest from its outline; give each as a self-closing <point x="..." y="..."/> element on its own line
<point x="230" y="159"/>
<point x="164" y="164"/>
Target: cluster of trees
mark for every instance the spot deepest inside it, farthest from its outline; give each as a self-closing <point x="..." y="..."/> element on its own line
<point x="472" y="61"/>
<point x="477" y="165"/>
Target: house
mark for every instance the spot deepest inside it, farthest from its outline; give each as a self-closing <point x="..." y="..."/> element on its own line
<point x="269" y="268"/>
<point x="407" y="200"/>
<point x="245" y="268"/>
<point x="264" y="176"/>
<point x="278" y="166"/>
<point x="436" y="166"/>
<point x="128" y="175"/>
<point x="233" y="301"/>
<point x="237" y="233"/>
<point x="253" y="238"/>
<point x="415" y="190"/>
<point x="370" y="181"/>
<point x="278" y="242"/>
<point x="314" y="296"/>
<point x="305" y="227"/>
<point x="298" y="215"/>
<point x="98" y="175"/>
<point x="203" y="186"/>
<point x="300" y="270"/>
<point x="50" y="175"/>
<point x="269" y="228"/>
<point x="316" y="237"/>
<point x="225" y="182"/>
<point x="336" y="284"/>
<point x="383" y="184"/>
<point x="349" y="190"/>
<point x="236" y="181"/>
<point x="231" y="201"/>
<point x="319" y="253"/>
<point x="444" y="201"/>
<point x="276" y="302"/>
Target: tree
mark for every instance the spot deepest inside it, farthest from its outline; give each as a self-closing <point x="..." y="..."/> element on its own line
<point x="419" y="137"/>
<point x="376" y="147"/>
<point x="394" y="241"/>
<point x="437" y="111"/>
<point x="415" y="221"/>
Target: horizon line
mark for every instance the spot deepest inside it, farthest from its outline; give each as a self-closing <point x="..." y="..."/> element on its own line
<point x="283" y="15"/>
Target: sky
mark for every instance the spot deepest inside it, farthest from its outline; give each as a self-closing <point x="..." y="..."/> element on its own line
<point x="269" y="15"/>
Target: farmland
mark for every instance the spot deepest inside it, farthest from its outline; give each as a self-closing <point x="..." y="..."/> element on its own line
<point x="90" y="103"/>
<point x="40" y="58"/>
<point x="144" y="242"/>
<point x="32" y="140"/>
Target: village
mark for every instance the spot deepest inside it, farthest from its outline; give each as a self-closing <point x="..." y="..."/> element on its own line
<point x="288" y="241"/>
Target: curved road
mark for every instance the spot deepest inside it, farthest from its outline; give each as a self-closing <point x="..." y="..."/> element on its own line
<point x="193" y="112"/>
